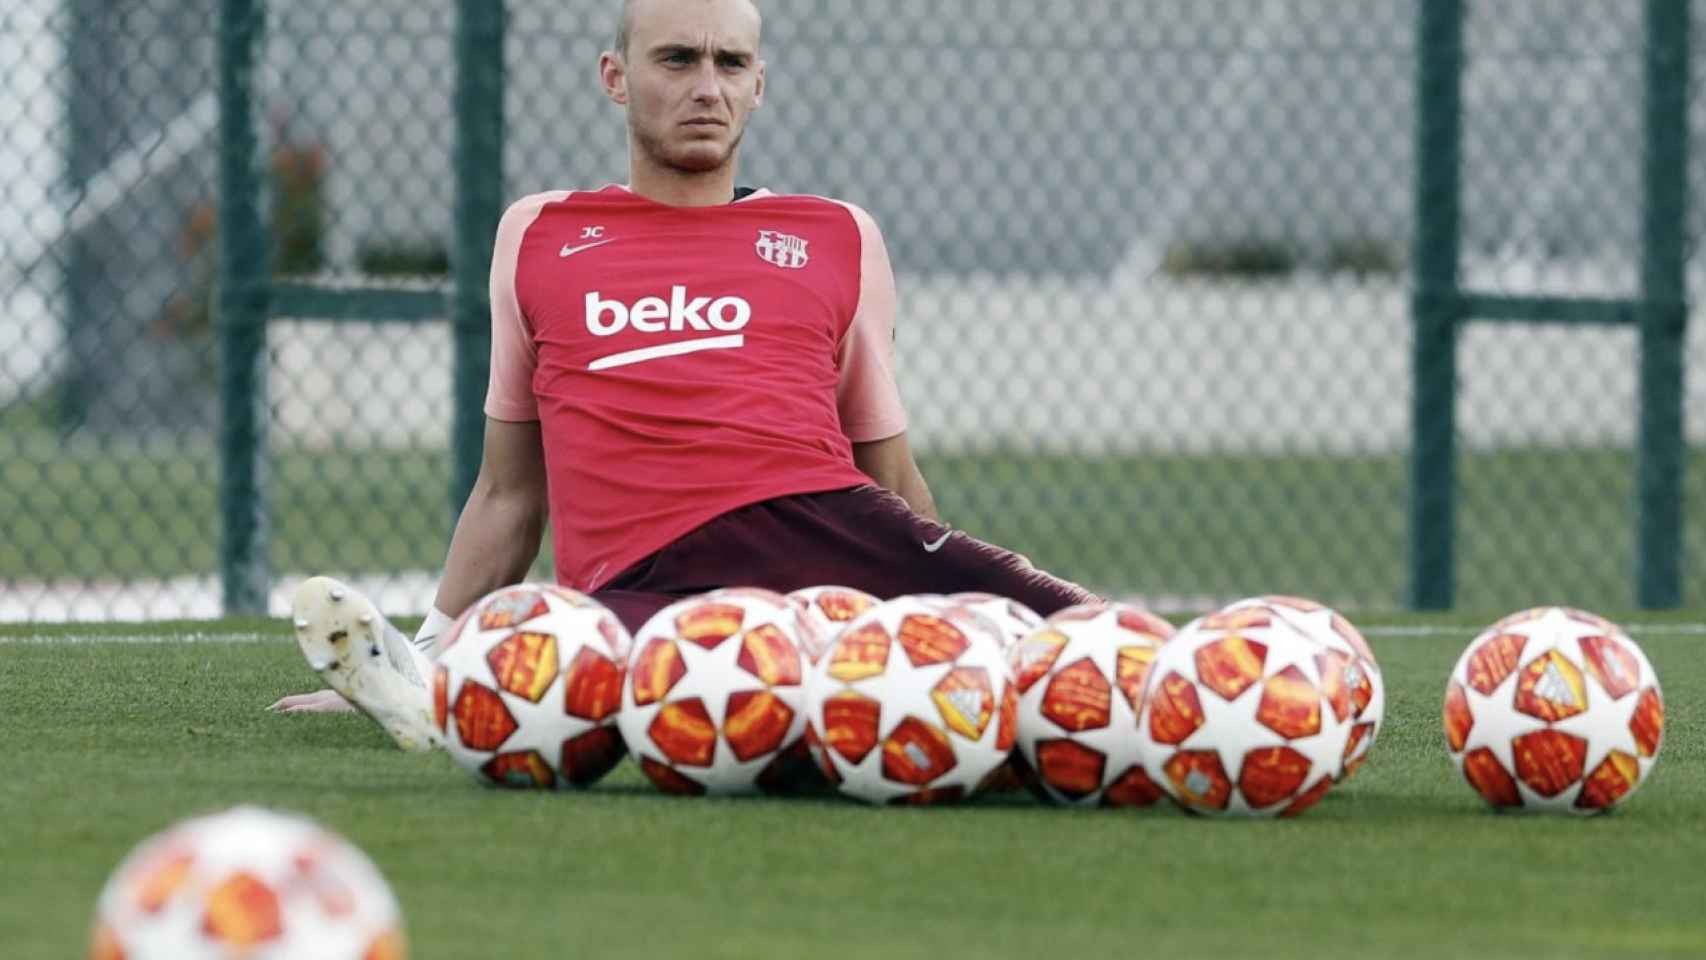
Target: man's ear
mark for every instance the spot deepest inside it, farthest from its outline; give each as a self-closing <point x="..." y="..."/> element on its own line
<point x="613" y="74"/>
<point x="758" y="88"/>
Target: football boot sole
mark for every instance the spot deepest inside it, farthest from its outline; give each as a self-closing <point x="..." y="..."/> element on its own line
<point x="361" y="656"/>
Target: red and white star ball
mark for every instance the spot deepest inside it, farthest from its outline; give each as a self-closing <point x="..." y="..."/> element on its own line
<point x="912" y="704"/>
<point x="823" y="611"/>
<point x="247" y="884"/>
<point x="1554" y="709"/>
<point x="1238" y="717"/>
<point x="1014" y="619"/>
<point x="1080" y="678"/>
<point x="714" y="694"/>
<point x="1349" y="654"/>
<point x="526" y="688"/>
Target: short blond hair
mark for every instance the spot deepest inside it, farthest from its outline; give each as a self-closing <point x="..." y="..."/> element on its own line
<point x="624" y="24"/>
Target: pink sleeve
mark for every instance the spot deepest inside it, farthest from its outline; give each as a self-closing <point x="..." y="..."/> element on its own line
<point x="867" y="398"/>
<point x="509" y="393"/>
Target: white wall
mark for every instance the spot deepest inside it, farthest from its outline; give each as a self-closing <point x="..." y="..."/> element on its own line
<point x="32" y="164"/>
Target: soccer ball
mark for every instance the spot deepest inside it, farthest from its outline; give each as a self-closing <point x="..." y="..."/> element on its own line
<point x="1554" y="709"/>
<point x="526" y="686"/>
<point x="1348" y="653"/>
<point x="1238" y="719"/>
<point x="1080" y="679"/>
<point x="714" y="692"/>
<point x="912" y="703"/>
<point x="822" y="612"/>
<point x="246" y="883"/>
<point x="1014" y="619"/>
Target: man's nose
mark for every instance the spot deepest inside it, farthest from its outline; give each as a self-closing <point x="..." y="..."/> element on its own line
<point x="705" y="88"/>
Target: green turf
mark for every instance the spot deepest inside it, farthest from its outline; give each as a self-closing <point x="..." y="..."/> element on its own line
<point x="1534" y="526"/>
<point x="108" y="741"/>
<point x="1170" y="526"/>
<point x="103" y="513"/>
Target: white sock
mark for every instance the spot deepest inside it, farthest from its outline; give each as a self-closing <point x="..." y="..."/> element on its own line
<point x="435" y="623"/>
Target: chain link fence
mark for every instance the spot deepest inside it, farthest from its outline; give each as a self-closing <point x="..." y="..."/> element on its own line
<point x="1155" y="265"/>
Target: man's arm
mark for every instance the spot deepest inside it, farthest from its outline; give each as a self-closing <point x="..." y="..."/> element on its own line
<point x="889" y="462"/>
<point x="499" y="532"/>
<point x="866" y="397"/>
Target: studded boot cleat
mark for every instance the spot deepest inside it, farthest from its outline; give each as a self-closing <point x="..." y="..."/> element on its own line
<point x="361" y="656"/>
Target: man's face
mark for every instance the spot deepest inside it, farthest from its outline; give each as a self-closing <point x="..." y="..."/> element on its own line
<point x="690" y="78"/>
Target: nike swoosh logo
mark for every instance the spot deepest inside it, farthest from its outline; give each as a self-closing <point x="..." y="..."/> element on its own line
<point x="937" y="544"/>
<point x="569" y="251"/>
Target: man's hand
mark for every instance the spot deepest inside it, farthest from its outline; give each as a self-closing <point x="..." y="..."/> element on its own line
<point x="320" y="701"/>
<point x="889" y="462"/>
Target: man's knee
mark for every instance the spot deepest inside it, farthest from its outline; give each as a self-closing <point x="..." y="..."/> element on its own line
<point x="987" y="568"/>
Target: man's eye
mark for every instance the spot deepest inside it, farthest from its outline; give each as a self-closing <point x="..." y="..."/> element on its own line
<point x="732" y="63"/>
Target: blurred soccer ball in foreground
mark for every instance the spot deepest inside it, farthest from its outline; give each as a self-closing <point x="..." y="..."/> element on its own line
<point x="714" y="694"/>
<point x="823" y="611"/>
<point x="1238" y="717"/>
<point x="1349" y="654"/>
<point x="1080" y="679"/>
<point x="527" y="685"/>
<point x="912" y="703"/>
<point x="1554" y="709"/>
<point x="251" y="884"/>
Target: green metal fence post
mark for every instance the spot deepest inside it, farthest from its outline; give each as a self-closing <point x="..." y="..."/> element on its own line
<point x="1435" y="306"/>
<point x="479" y="205"/>
<point x="1664" y="311"/>
<point x="81" y="160"/>
<point x="241" y="318"/>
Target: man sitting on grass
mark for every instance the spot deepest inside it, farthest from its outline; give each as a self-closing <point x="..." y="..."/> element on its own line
<point x="693" y="381"/>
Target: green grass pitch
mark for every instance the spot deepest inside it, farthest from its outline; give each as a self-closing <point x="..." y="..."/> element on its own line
<point x="107" y="741"/>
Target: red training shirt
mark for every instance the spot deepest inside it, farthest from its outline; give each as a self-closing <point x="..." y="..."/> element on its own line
<point x="686" y="361"/>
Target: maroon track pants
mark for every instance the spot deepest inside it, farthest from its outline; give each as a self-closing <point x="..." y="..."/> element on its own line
<point x="864" y="537"/>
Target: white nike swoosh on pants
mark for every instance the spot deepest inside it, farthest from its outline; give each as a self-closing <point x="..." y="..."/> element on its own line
<point x="933" y="546"/>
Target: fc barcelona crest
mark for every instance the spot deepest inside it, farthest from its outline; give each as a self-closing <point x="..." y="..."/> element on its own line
<point x="781" y="249"/>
